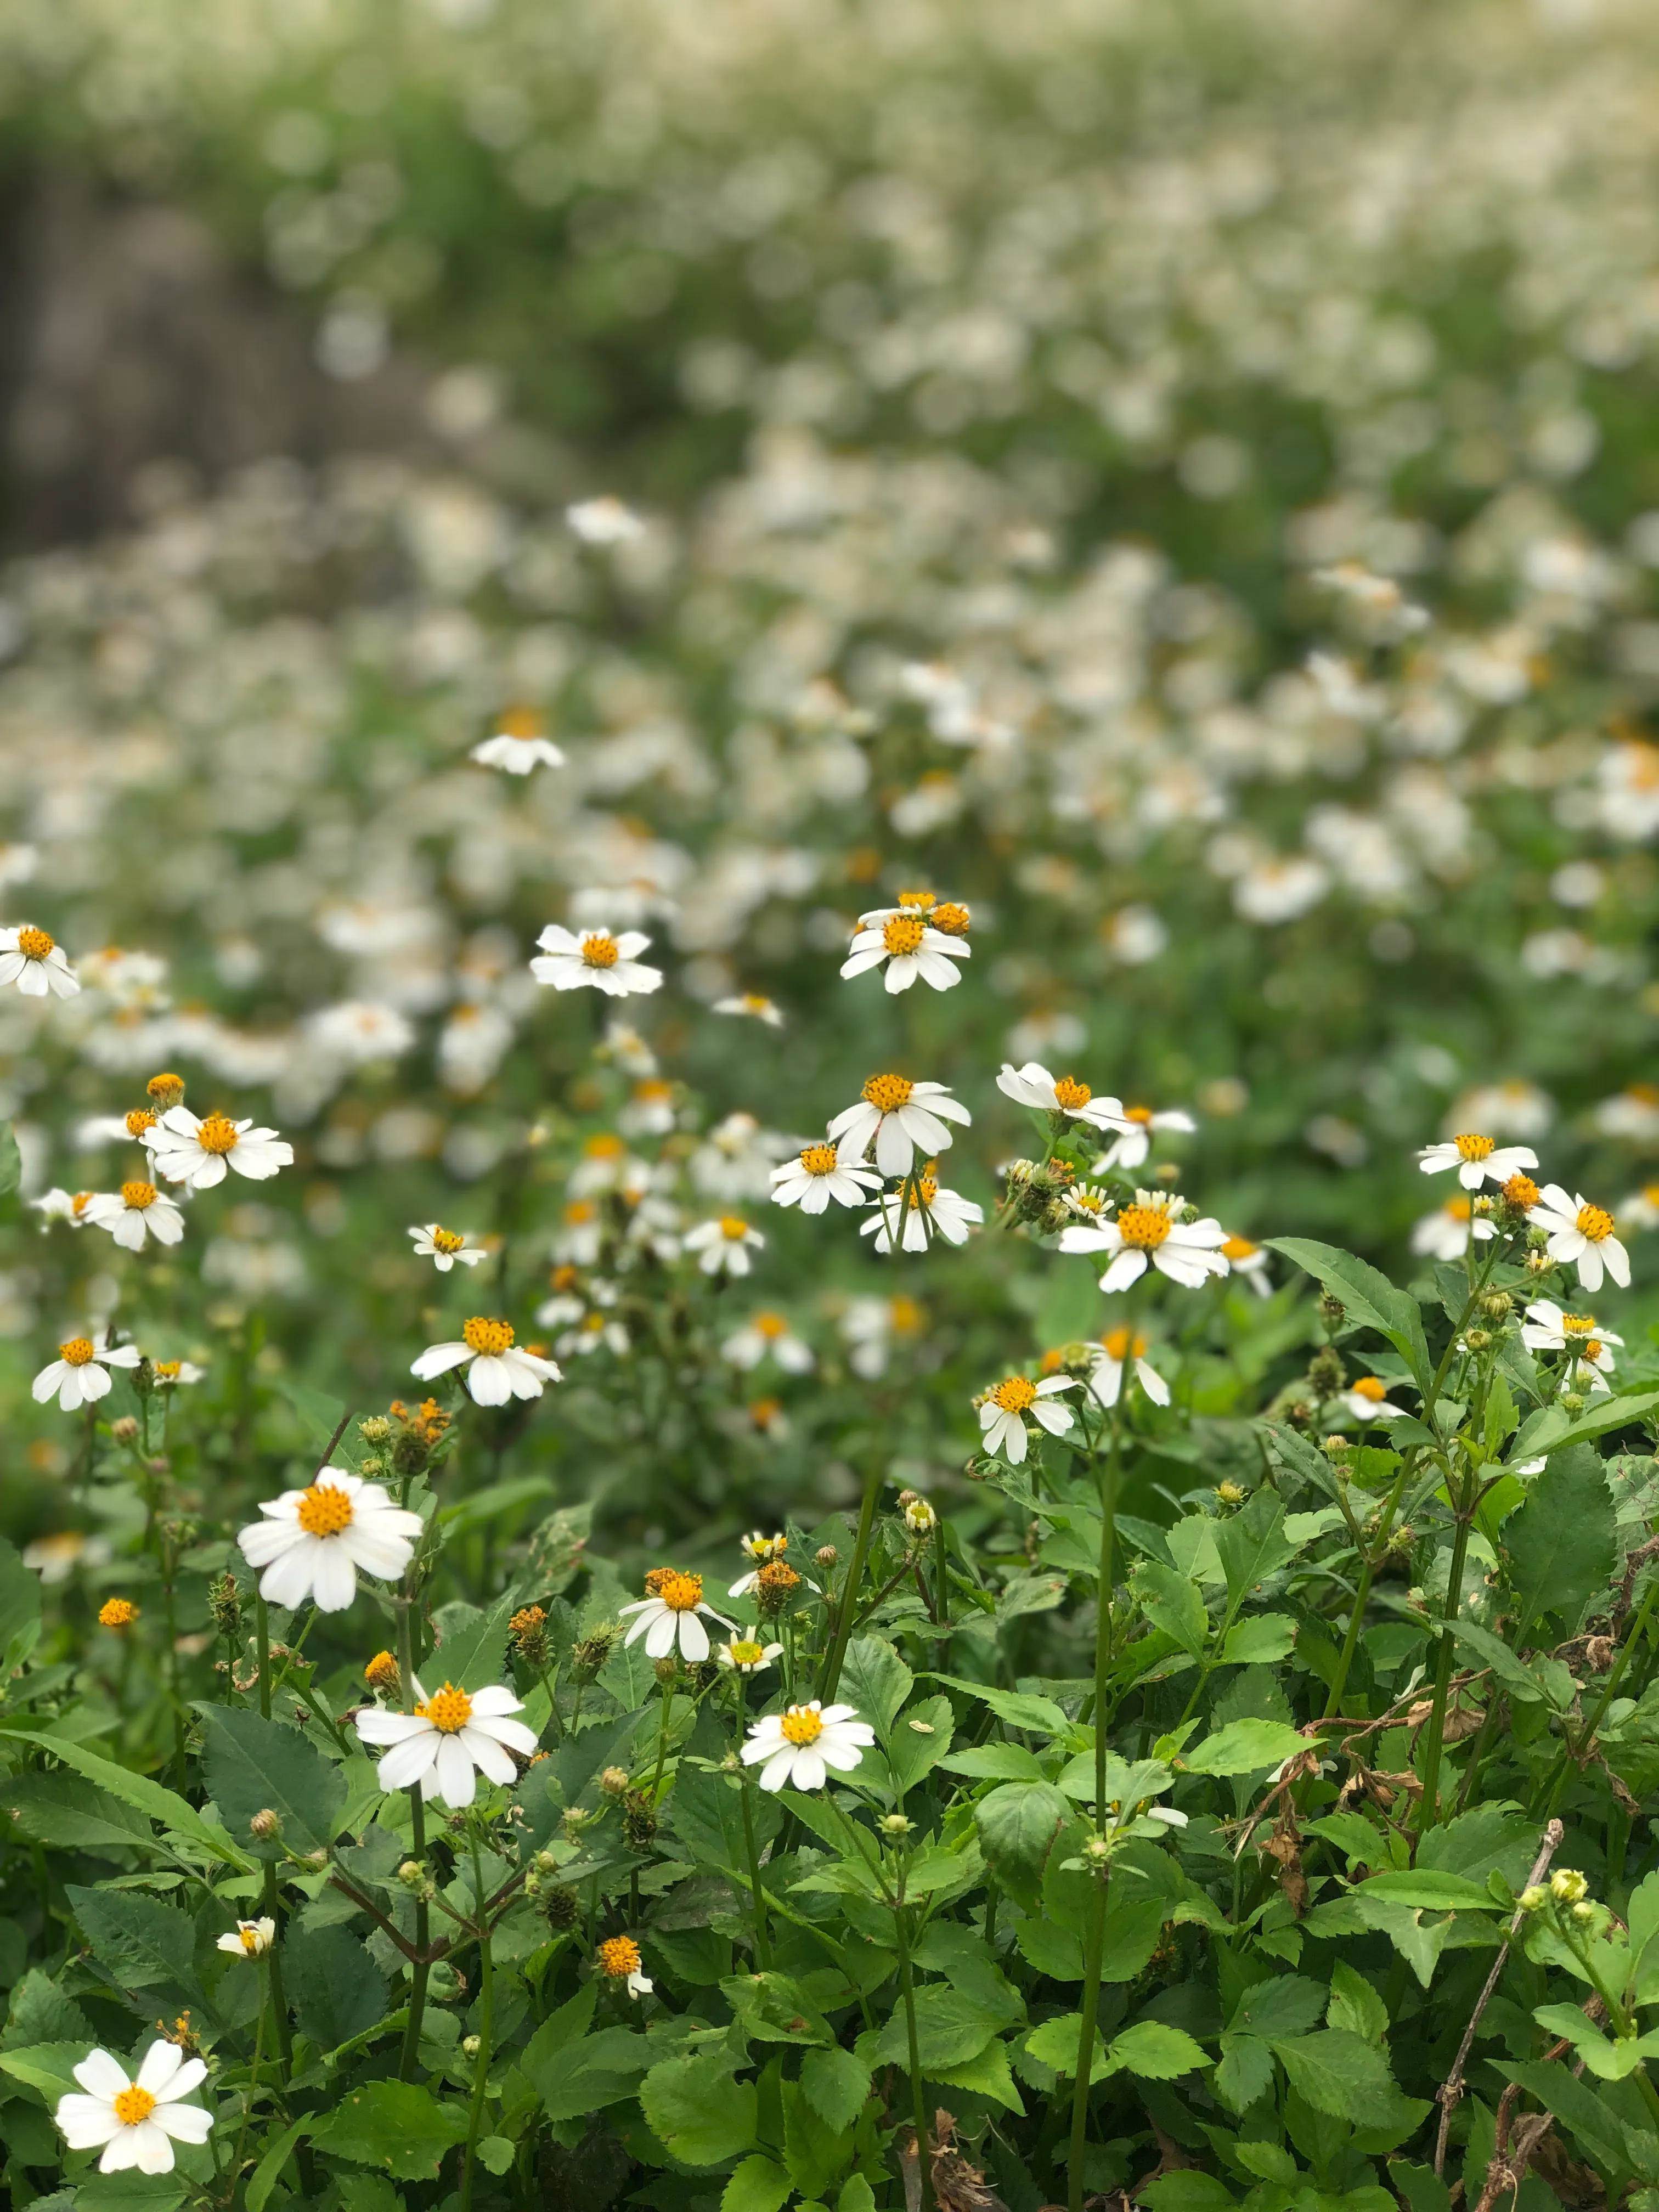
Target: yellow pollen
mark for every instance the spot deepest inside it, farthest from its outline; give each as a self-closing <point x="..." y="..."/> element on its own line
<point x="1475" y="1148"/>
<point x="1521" y="1193"/>
<point x="381" y="1672"/>
<point x="744" y="1653"/>
<point x="1070" y="1094"/>
<point x="79" y="1202"/>
<point x="1578" y="1324"/>
<point x="33" y="943"/>
<point x="1144" y="1227"/>
<point x="1089" y="1202"/>
<point x="449" y="1709"/>
<point x="1461" y="1209"/>
<point x="76" y="1352"/>
<point x="1646" y="1094"/>
<point x="800" y="1724"/>
<point x="140" y="1118"/>
<point x="619" y="1956"/>
<point x="887" y="1093"/>
<point x="446" y="1241"/>
<point x="754" y="1003"/>
<point x="117" y="1612"/>
<point x="652" y="1092"/>
<point x="1595" y="1224"/>
<point x="168" y="1371"/>
<point x="600" y="952"/>
<point x="217" y="1133"/>
<point x="490" y="1338"/>
<point x="903" y="933"/>
<point x="579" y="1210"/>
<point x="680" y="1593"/>
<point x="166" y="1089"/>
<point x="250" y="1937"/>
<point x="818" y="1159"/>
<point x="770" y="1326"/>
<point x="324" y="1509"/>
<point x="733" y="1228"/>
<point x="1120" y="1346"/>
<point x="923" y="899"/>
<point x="1592" y="1349"/>
<point x="762" y="1412"/>
<point x="1238" y="1247"/>
<point x="133" y="2106"/>
<point x="137" y="1196"/>
<point x="953" y="920"/>
<point x="1015" y="1396"/>
<point x="1372" y="1387"/>
<point x="925" y="1189"/>
<point x="1141" y="1114"/>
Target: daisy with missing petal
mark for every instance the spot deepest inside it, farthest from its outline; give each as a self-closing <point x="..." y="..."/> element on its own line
<point x="29" y="958"/>
<point x="1032" y="1085"/>
<point x="1446" y="1233"/>
<point x="819" y="1175"/>
<point x="761" y="1551"/>
<point x="1003" y="1411"/>
<point x="79" y="1375"/>
<point x="800" y="1746"/>
<point x="900" y="1118"/>
<point x="136" y="1211"/>
<point x="919" y="1211"/>
<point x="448" y="1741"/>
<point x="1547" y="1328"/>
<point x="745" y="1655"/>
<point x="313" y="1543"/>
<point x="517" y="744"/>
<point x="753" y="1005"/>
<point x="1581" y="1235"/>
<point x="618" y="1959"/>
<point x="249" y="1939"/>
<point x="1367" y="1400"/>
<point x="496" y="1369"/>
<point x="768" y="1336"/>
<point x="1478" y="1159"/>
<point x="445" y="1248"/>
<point x="136" y="2119"/>
<point x="723" y="1246"/>
<point x="1121" y="1350"/>
<point x="1089" y="1202"/>
<point x="671" y="1615"/>
<point x="1136" y="1126"/>
<point x="74" y="1207"/>
<point x="910" y="949"/>
<point x="1248" y="1260"/>
<point x="594" y="960"/>
<point x="1152" y="1232"/>
<point x="198" y="1152"/>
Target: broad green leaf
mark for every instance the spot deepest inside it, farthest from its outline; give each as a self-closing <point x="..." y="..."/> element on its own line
<point x="918" y="1740"/>
<point x="706" y="1813"/>
<point x="1175" y="1603"/>
<point x="1260" y="1641"/>
<point x="1425" y="1889"/>
<point x="1018" y="1825"/>
<point x="876" y="1679"/>
<point x="583" y="2076"/>
<point x="334" y="1985"/>
<point x="1335" y="2071"/>
<point x="697" y="2109"/>
<point x="1154" y="2052"/>
<point x="251" y="1765"/>
<point x="70" y="1813"/>
<point x="1284" y="2004"/>
<point x="987" y="2075"/>
<point x="1552" y="1426"/>
<point x="1247" y="1747"/>
<point x="1492" y="1652"/>
<point x="836" y="2085"/>
<point x="268" y="2173"/>
<point x="1588" y="2115"/>
<point x="144" y="1943"/>
<point x="1559" y="1543"/>
<point x="20" y="1606"/>
<point x="1355" y="2004"/>
<point x="475" y="1654"/>
<point x="398" y="2127"/>
<point x="995" y="1762"/>
<point x="147" y="1796"/>
<point x="952" y="2027"/>
<point x="1371" y="1299"/>
<point x="1244" y="2074"/>
<point x="756" y="2186"/>
<point x="1016" y="1709"/>
<point x="1056" y="2045"/>
<point x="1253" y="1544"/>
<point x="47" y="2067"/>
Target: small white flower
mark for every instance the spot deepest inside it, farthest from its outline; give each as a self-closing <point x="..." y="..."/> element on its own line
<point x="1446" y="1233"/>
<point x="198" y="1152"/>
<point x="754" y="1005"/>
<point x="605" y="522"/>
<point x="800" y="1746"/>
<point x="136" y="1211"/>
<point x="496" y="1369"/>
<point x="448" y="1741"/>
<point x="760" y="1550"/>
<point x="819" y="1175"/>
<point x="249" y="1939"/>
<point x="1032" y="1085"/>
<point x="80" y="1374"/>
<point x="1152" y="1232"/>
<point x="1581" y="1234"/>
<point x="1367" y="1401"/>
<point x="745" y="1655"/>
<point x="1478" y="1159"/>
<point x="1002" y="1413"/>
<point x="313" y="1543"/>
<point x="1135" y="1126"/>
<point x="723" y="1246"/>
<point x="767" y="1336"/>
<point x="595" y="960"/>
<point x="672" y="1614"/>
<point x="517" y="745"/>
<point x="619" y="1960"/>
<point x="912" y="1215"/>
<point x="900" y="1119"/>
<point x="74" y="1207"/>
<point x="445" y="1248"/>
<point x="1119" y="1350"/>
<point x="29" y="958"/>
<point x="910" y="949"/>
<point x="1243" y="1258"/>
<point x="136" y="2119"/>
<point x="1547" y="1328"/>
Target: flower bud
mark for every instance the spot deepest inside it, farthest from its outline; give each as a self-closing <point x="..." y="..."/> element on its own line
<point x="1533" y="1898"/>
<point x="471" y="2045"/>
<point x="412" y="1875"/>
<point x="1568" y="1885"/>
<point x="264" y="1824"/>
<point x="894" y="1826"/>
<point x="1478" y="1340"/>
<point x="124" y="1429"/>
<point x="825" y="1557"/>
<point x="614" y="1781"/>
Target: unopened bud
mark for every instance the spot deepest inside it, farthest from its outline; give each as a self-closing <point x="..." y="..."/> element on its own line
<point x="264" y="1824"/>
<point x="1533" y="1898"/>
<point x="1478" y="1340"/>
<point x="614" y="1781"/>
<point x="825" y="1557"/>
<point x="1568" y="1885"/>
<point x="471" y="2045"/>
<point x="412" y="1875"/>
<point x="124" y="1429"/>
<point x="1332" y="1311"/>
<point x="894" y="1826"/>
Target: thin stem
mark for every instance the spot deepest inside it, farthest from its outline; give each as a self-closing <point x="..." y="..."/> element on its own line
<point x="919" y="2100"/>
<point x="854" y="1576"/>
<point x="1368" y="1565"/>
<point x="1093" y="1943"/>
<point x="662" y="1737"/>
<point x="1434" y="1735"/>
<point x="486" y="2033"/>
<point x="1109" y="1476"/>
<point x="421" y="1968"/>
<point x="258" y="2060"/>
<point x="763" y="1939"/>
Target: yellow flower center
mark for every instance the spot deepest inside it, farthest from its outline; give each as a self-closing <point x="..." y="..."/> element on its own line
<point x="33" y="943"/>
<point x="1461" y="1209"/>
<point x="1120" y="1344"/>
<point x="733" y="1228"/>
<point x="1591" y="1349"/>
<point x="600" y="952"/>
<point x="117" y="1612"/>
<point x="522" y="723"/>
<point x="166" y="1089"/>
<point x="168" y="1370"/>
<point x="324" y="1509"/>
<point x="818" y="1159"/>
<point x="923" y="899"/>
<point x="905" y="1314"/>
<point x="1015" y="1396"/>
<point x="249" y="1935"/>
<point x="381" y="1672"/>
<point x="1145" y="1227"/>
<point x="1143" y="1114"/>
<point x="1239" y="1247"/>
<point x="1475" y="1148"/>
<point x="1578" y="1324"/>
<point x="490" y="1338"/>
<point x="1646" y="1094"/>
<point x="79" y="1202"/>
<point x="887" y="1093"/>
<point x="137" y="1196"/>
<point x="903" y="933"/>
<point x="925" y="1189"/>
<point x="800" y="1724"/>
<point x="1521" y="1193"/>
<point x="1087" y="1200"/>
<point x="771" y="1326"/>
<point x="1070" y="1093"/>
<point x="680" y="1593"/>
<point x="217" y="1133"/>
<point x="140" y="1118"/>
<point x="605" y="1145"/>
<point x="953" y="919"/>
<point x="449" y="1709"/>
<point x="446" y="1241"/>
<point x="1372" y="1388"/>
<point x="1595" y="1223"/>
<point x="619" y="1956"/>
<point x="134" y="2106"/>
<point x="746" y="1653"/>
<point x="76" y="1352"/>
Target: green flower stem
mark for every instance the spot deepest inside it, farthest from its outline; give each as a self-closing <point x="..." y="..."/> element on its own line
<point x="1093" y="1943"/>
<point x="918" y="2096"/>
<point x="854" y="1576"/>
<point x="422" y="1969"/>
<point x="1368" y="1565"/>
<point x="662" y="1739"/>
<point x="486" y="2032"/>
<point x="762" y="1939"/>
<point x="175" y="1685"/>
<point x="253" y="2090"/>
<point x="1435" y="1733"/>
<point x="1108" y="1479"/>
<point x="1626" y="1652"/>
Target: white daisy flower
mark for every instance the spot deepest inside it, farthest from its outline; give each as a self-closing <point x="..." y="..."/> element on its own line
<point x="819" y="1175"/>
<point x="1089" y="1201"/>
<point x="170" y="1374"/>
<point x="767" y="1335"/>
<point x="1477" y="1159"/>
<point x="198" y="1152"/>
<point x="136" y="1211"/>
<point x="594" y="960"/>
<point x="910" y="949"/>
<point x="800" y="1744"/>
<point x="1136" y="1126"/>
<point x="605" y="522"/>
<point x="445" y="1248"/>
<point x="753" y="1005"/>
<point x="1581" y="1234"/>
<point x="80" y="1374"/>
<point x="1121" y="1350"/>
<point x="672" y="1613"/>
<point x="249" y="1939"/>
<point x="517" y="745"/>
<point x="618" y="1959"/>
<point x="1152" y="1232"/>
<point x="919" y="1211"/>
<point x="1032" y="1085"/>
<point x="313" y="1543"/>
<point x="136" y="2119"/>
<point x="723" y="1245"/>
<point x="496" y="1369"/>
<point x="1547" y="1328"/>
<point x="760" y="1550"/>
<point x="1446" y="1233"/>
<point x="1641" y="1209"/>
<point x="29" y="958"/>
<point x="74" y="1207"/>
<point x="448" y="1741"/>
<point x="745" y="1655"/>
<point x="1002" y="1413"/>
<point x="1367" y="1400"/>
<point x="900" y="1119"/>
<point x="1243" y="1258"/>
